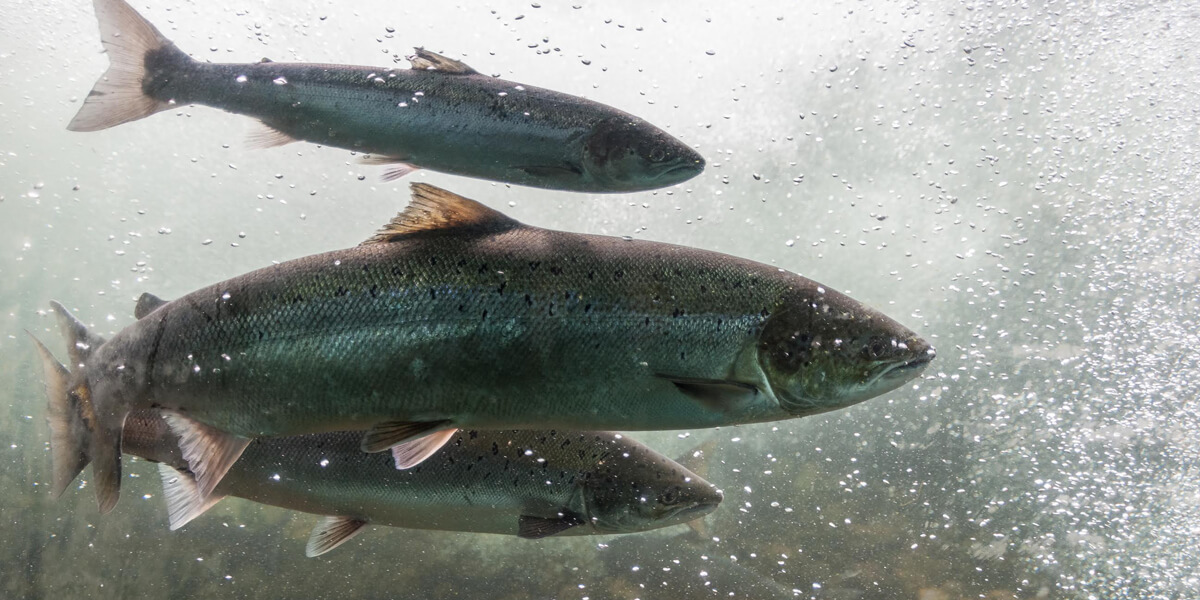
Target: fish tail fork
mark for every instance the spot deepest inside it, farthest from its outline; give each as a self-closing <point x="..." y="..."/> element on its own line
<point x="132" y="43"/>
<point x="70" y="439"/>
<point x="77" y="436"/>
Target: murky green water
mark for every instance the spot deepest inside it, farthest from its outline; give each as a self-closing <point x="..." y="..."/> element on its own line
<point x="1017" y="182"/>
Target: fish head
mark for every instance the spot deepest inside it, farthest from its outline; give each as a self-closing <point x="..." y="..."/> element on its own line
<point x="639" y="489"/>
<point x="822" y="350"/>
<point x="627" y="154"/>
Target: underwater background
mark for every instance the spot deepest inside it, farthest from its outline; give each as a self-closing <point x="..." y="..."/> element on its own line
<point x="1015" y="181"/>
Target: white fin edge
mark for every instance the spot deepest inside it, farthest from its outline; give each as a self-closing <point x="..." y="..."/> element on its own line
<point x="412" y="453"/>
<point x="209" y="451"/>
<point x="184" y="501"/>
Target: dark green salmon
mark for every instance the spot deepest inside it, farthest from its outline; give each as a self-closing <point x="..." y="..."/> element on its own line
<point x="440" y="114"/>
<point x="527" y="483"/>
<point x="456" y="316"/>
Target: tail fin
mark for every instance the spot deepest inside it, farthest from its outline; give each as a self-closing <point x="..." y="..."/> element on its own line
<point x="119" y="95"/>
<point x="79" y="434"/>
<point x="69" y="436"/>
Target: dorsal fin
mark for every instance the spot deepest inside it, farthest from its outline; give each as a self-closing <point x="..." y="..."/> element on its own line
<point x="424" y="60"/>
<point x="146" y="304"/>
<point x="433" y="208"/>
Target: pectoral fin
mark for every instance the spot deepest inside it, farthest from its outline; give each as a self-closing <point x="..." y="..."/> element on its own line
<point x="267" y="136"/>
<point x="383" y="436"/>
<point x="330" y="533"/>
<point x="536" y="528"/>
<point x="209" y="451"/>
<point x="184" y="501"/>
<point x="414" y="452"/>
<point x="714" y="394"/>
<point x="563" y="170"/>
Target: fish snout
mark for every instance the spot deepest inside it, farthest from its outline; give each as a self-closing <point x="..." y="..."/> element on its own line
<point x="917" y="354"/>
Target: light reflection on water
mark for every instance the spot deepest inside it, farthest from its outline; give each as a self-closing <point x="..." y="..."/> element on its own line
<point x="1015" y="182"/>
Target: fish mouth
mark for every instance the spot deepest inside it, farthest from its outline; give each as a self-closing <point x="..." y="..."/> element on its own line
<point x="682" y="170"/>
<point x="696" y="511"/>
<point x="914" y="365"/>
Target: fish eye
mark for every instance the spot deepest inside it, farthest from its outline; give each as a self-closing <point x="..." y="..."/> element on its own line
<point x="875" y="350"/>
<point x="671" y="496"/>
<point x="657" y="154"/>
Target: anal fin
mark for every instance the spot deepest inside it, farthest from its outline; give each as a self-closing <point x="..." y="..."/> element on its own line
<point x="413" y="452"/>
<point x="536" y="528"/>
<point x="184" y="501"/>
<point x="384" y="435"/>
<point x="331" y="532"/>
<point x="106" y="465"/>
<point x="209" y="451"/>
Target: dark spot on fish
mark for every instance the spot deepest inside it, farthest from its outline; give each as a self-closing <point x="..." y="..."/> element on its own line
<point x="647" y="322"/>
<point x="341" y="291"/>
<point x="703" y="289"/>
<point x="551" y="309"/>
<point x="591" y="275"/>
<point x="397" y="272"/>
<point x="618" y="274"/>
<point x="555" y="270"/>
<point x="677" y="313"/>
<point x="374" y="291"/>
<point x="534" y="265"/>
<point x="433" y="261"/>
<point x="500" y="290"/>
<point x="432" y="294"/>
<point x="587" y="307"/>
<point x="683" y="356"/>
<point x="462" y="308"/>
<point x="484" y="314"/>
<point x="528" y="300"/>
<point x="495" y="449"/>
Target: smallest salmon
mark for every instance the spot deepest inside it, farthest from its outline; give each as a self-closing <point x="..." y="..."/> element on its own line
<point x="533" y="484"/>
<point x="440" y="115"/>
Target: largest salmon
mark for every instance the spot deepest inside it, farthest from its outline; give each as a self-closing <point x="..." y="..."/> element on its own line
<point x="439" y="115"/>
<point x="457" y="316"/>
